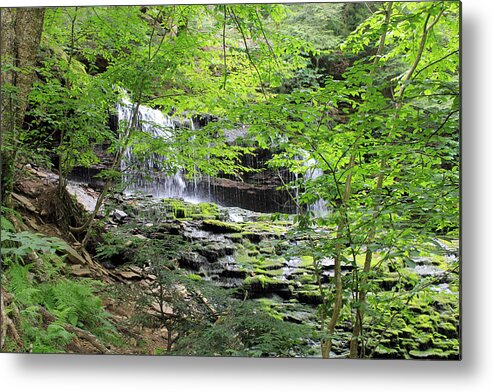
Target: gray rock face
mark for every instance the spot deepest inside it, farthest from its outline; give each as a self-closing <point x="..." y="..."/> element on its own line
<point x="118" y="215"/>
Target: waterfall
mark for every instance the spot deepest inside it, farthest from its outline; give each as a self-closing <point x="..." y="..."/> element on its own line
<point x="319" y="208"/>
<point x="146" y="175"/>
<point x="158" y="176"/>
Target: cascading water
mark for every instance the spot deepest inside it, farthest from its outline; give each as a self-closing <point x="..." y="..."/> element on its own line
<point x="319" y="208"/>
<point x="157" y="175"/>
<point x="145" y="175"/>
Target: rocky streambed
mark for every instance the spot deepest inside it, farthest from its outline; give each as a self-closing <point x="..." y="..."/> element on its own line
<point x="258" y="259"/>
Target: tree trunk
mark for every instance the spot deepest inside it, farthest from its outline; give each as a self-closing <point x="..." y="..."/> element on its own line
<point x="336" y="310"/>
<point x="20" y="35"/>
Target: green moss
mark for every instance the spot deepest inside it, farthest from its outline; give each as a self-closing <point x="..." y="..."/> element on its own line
<point x="179" y="209"/>
<point x="267" y="250"/>
<point x="424" y="340"/>
<point x="430" y="353"/>
<point x="270" y="307"/>
<point x="236" y="236"/>
<point x="264" y="218"/>
<point x="424" y="323"/>
<point x="244" y="261"/>
<point x="407" y="330"/>
<point x="270" y="263"/>
<point x="306" y="261"/>
<point x="271" y="229"/>
<point x="448" y="327"/>
<point x="217" y="226"/>
<point x="264" y="280"/>
<point x="383" y="350"/>
<point x="409" y="344"/>
<point x="271" y="273"/>
<point x="306" y="279"/>
<point x="446" y="344"/>
<point x="309" y="296"/>
<point x="209" y="210"/>
<point x="194" y="277"/>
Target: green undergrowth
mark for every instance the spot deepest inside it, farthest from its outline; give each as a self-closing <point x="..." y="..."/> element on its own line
<point x="39" y="283"/>
<point x="137" y="244"/>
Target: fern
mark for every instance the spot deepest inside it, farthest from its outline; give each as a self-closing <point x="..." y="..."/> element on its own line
<point x="6" y="225"/>
<point x="70" y="302"/>
<point x="75" y="300"/>
<point x="22" y="244"/>
<point x="19" y="283"/>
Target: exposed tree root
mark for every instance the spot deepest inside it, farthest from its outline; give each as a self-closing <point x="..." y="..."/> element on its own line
<point x="61" y="209"/>
<point x="7" y="324"/>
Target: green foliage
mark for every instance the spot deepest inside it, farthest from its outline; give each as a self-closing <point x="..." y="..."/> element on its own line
<point x="122" y="246"/>
<point x="70" y="302"/>
<point x="73" y="302"/>
<point x="42" y="284"/>
<point x="324" y="25"/>
<point x="246" y="330"/>
<point x="21" y="244"/>
<point x="382" y="132"/>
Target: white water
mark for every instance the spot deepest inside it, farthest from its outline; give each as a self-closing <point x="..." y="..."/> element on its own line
<point x="155" y="175"/>
<point x="319" y="208"/>
<point x="150" y="175"/>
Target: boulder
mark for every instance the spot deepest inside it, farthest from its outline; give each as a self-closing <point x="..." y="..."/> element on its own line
<point x="216" y="250"/>
<point x="118" y="215"/>
<point x="73" y="256"/>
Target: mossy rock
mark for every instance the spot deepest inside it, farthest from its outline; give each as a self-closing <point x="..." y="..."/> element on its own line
<point x="270" y="263"/>
<point x="432" y="353"/>
<point x="311" y="297"/>
<point x="236" y="237"/>
<point x="259" y="285"/>
<point x="424" y="322"/>
<point x="409" y="343"/>
<point x="385" y="352"/>
<point x="425" y="342"/>
<point x="306" y="261"/>
<point x="267" y="250"/>
<point x="263" y="280"/>
<point x="269" y="272"/>
<point x="254" y="237"/>
<point x="244" y="261"/>
<point x="306" y="278"/>
<point x="445" y="343"/>
<point x="253" y="252"/>
<point x="209" y="210"/>
<point x="282" y="246"/>
<point x="216" y="226"/>
<point x="215" y="251"/>
<point x="268" y="230"/>
<point x="447" y="329"/>
<point x="407" y="331"/>
<point x="180" y="209"/>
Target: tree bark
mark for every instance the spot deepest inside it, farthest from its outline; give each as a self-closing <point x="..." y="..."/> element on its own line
<point x="20" y="35"/>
